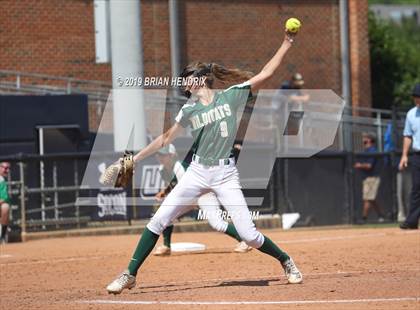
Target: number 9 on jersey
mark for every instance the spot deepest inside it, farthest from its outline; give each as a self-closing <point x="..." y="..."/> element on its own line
<point x="223" y="129"/>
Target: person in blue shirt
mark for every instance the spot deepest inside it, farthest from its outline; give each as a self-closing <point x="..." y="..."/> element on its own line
<point x="412" y="138"/>
<point x="371" y="180"/>
<point x="403" y="177"/>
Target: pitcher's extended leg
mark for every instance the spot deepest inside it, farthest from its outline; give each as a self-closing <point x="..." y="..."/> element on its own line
<point x="234" y="202"/>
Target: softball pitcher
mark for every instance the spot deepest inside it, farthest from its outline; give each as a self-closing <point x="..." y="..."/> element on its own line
<point x="172" y="170"/>
<point x="212" y="117"/>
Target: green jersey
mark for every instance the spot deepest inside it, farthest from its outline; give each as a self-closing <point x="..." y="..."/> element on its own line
<point x="4" y="195"/>
<point x="214" y="126"/>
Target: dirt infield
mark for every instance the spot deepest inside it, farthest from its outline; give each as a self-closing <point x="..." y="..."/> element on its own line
<point x="343" y="269"/>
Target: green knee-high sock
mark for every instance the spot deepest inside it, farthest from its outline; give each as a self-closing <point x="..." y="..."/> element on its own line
<point x="144" y="247"/>
<point x="270" y="248"/>
<point x="167" y="233"/>
<point x="231" y="231"/>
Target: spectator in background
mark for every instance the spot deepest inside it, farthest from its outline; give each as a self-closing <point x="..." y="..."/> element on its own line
<point x="290" y="91"/>
<point x="4" y="201"/>
<point x="285" y="85"/>
<point x="297" y="82"/>
<point x="412" y="137"/>
<point x="289" y="97"/>
<point x="371" y="179"/>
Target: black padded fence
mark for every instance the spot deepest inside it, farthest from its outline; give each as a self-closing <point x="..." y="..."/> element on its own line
<point x="325" y="189"/>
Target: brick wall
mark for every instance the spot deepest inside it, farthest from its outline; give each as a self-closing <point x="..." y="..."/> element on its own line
<point x="359" y="53"/>
<point x="57" y="37"/>
<point x="51" y="36"/>
<point x="252" y="33"/>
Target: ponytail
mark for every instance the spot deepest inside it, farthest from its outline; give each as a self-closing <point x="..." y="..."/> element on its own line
<point x="230" y="75"/>
<point x="215" y="71"/>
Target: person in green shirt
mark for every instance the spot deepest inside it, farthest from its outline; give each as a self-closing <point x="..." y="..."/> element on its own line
<point x="4" y="201"/>
<point x="211" y="115"/>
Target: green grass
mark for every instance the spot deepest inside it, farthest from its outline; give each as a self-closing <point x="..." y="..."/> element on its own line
<point x="413" y="2"/>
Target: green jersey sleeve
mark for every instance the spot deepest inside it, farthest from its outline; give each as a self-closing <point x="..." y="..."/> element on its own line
<point x="183" y="116"/>
<point x="238" y="95"/>
<point x="4" y="195"/>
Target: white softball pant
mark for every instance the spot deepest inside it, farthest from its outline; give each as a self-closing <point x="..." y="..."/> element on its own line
<point x="223" y="181"/>
<point x="211" y="207"/>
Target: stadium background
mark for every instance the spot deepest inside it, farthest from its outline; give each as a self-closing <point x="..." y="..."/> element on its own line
<point x="51" y="49"/>
<point x="49" y="79"/>
<point x="58" y="38"/>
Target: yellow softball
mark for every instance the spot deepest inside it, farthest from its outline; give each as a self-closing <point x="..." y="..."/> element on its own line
<point x="293" y="25"/>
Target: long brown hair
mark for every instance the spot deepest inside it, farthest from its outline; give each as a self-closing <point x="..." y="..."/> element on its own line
<point x="214" y="71"/>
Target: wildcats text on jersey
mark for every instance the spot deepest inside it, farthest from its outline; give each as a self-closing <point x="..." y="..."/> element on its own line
<point x="208" y="117"/>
